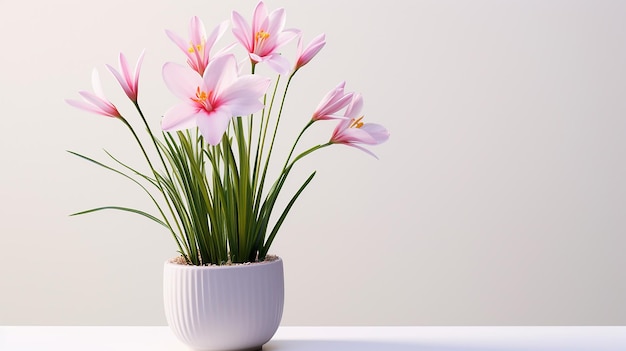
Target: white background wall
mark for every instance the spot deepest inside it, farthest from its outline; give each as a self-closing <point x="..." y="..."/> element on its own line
<point x="499" y="199"/>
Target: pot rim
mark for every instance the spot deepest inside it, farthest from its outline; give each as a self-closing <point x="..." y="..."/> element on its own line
<point x="169" y="263"/>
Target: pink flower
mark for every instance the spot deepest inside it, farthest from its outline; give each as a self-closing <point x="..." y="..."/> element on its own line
<point x="95" y="103"/>
<point x="352" y="131"/>
<point x="265" y="37"/>
<point x="198" y="48"/>
<point x="310" y="51"/>
<point x="332" y="102"/>
<point x="210" y="101"/>
<point x="130" y="83"/>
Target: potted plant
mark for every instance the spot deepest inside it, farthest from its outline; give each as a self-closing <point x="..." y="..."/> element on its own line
<point x="208" y="173"/>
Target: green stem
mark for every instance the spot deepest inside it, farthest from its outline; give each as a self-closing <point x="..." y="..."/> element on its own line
<point x="297" y="140"/>
<point x="143" y="118"/>
<point x="263" y="130"/>
<point x="300" y="156"/>
<point x="271" y="148"/>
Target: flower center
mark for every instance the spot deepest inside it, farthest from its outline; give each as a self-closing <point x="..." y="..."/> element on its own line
<point x="203" y="98"/>
<point x="262" y="35"/>
<point x="196" y="47"/>
<point x="356" y="123"/>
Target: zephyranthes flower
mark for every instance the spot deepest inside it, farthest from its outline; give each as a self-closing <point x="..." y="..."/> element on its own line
<point x="304" y="56"/>
<point x="352" y="131"/>
<point x="95" y="102"/>
<point x="198" y="48"/>
<point x="130" y="83"/>
<point x="210" y="101"/>
<point x="265" y="37"/>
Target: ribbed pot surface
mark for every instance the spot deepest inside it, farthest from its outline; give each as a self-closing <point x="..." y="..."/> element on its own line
<point x="236" y="307"/>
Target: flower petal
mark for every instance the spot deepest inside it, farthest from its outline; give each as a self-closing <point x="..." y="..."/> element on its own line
<point x="87" y="107"/>
<point x="125" y="70"/>
<point x="278" y="63"/>
<point x="355" y="106"/>
<point x="213" y="125"/>
<point x="285" y="36"/>
<point x="277" y="21"/>
<point x="196" y="30"/>
<point x="248" y="86"/>
<point x="241" y="30"/>
<point x="331" y="95"/>
<point x="310" y="51"/>
<point x="242" y="97"/>
<point x="100" y="103"/>
<point x="180" y="80"/>
<point x="137" y="70"/>
<point x="120" y="80"/>
<point x="364" y="150"/>
<point x="377" y="131"/>
<point x="356" y="135"/>
<point x="181" y="116"/>
<point x="96" y="85"/>
<point x="180" y="42"/>
<point x="259" y="18"/>
<point x="220" y="73"/>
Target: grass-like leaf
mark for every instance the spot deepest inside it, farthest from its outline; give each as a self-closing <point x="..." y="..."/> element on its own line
<point x="126" y="209"/>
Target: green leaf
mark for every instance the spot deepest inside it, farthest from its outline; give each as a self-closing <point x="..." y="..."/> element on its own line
<point x="132" y="210"/>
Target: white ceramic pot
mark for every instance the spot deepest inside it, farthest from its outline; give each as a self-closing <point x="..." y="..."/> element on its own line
<point x="235" y="307"/>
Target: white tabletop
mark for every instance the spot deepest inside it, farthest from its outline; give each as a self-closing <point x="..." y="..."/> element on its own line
<point x="328" y="338"/>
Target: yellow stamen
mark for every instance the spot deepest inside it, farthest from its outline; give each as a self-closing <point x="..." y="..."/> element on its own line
<point x="201" y="96"/>
<point x="204" y="99"/>
<point x="196" y="47"/>
<point x="262" y="35"/>
<point x="356" y="123"/>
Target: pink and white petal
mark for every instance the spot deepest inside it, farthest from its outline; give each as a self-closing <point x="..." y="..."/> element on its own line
<point x="120" y="80"/>
<point x="181" y="80"/>
<point x="241" y="31"/>
<point x="259" y="18"/>
<point x="358" y="135"/>
<point x="250" y="87"/>
<point x="220" y="73"/>
<point x="310" y="51"/>
<point x="98" y="102"/>
<point x="196" y="30"/>
<point x="96" y="85"/>
<point x="355" y="106"/>
<point x="336" y="104"/>
<point x="256" y="58"/>
<point x="213" y="125"/>
<point x="87" y="107"/>
<point x="319" y="40"/>
<point x="277" y="20"/>
<point x="299" y="47"/>
<point x="244" y="107"/>
<point x="179" y="117"/>
<point x="285" y="37"/>
<point x="333" y="116"/>
<point x="278" y="63"/>
<point x="377" y="131"/>
<point x="331" y="95"/>
<point x="138" y="68"/>
<point x="125" y="69"/>
<point x="180" y="42"/>
<point x="364" y="150"/>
